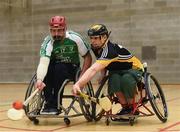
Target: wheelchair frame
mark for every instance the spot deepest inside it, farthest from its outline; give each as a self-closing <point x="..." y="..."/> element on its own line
<point x="32" y="110"/>
<point x="147" y="80"/>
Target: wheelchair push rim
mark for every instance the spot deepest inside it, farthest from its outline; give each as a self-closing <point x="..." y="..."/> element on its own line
<point x="86" y="106"/>
<point x="35" y="104"/>
<point x="102" y="91"/>
<point x="156" y="97"/>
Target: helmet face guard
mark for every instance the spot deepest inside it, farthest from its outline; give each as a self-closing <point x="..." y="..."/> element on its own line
<point x="57" y="24"/>
<point x="98" y="30"/>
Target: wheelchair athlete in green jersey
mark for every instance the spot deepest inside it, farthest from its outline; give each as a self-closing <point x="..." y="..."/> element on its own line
<point x="59" y="61"/>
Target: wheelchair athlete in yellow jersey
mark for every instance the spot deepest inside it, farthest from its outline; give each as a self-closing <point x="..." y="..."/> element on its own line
<point x="127" y="79"/>
<point x="124" y="68"/>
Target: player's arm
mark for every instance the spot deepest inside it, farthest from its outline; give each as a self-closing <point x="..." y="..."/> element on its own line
<point x="87" y="76"/>
<point x="42" y="71"/>
<point x="87" y="62"/>
<point x="42" y="68"/>
<point x="45" y="53"/>
<point x="102" y="75"/>
<point x="84" y="50"/>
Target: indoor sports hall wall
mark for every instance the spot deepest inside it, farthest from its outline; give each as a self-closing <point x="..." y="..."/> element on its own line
<point x="149" y="28"/>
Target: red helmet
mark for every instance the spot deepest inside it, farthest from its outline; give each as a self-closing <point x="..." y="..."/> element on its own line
<point x="57" y="21"/>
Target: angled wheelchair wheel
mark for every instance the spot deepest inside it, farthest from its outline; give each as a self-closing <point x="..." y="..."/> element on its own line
<point x="102" y="91"/>
<point x="156" y="97"/>
<point x="35" y="105"/>
<point x="86" y="106"/>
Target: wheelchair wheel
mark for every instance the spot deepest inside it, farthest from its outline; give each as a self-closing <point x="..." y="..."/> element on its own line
<point x="34" y="106"/>
<point x="156" y="97"/>
<point x="102" y="91"/>
<point x="86" y="106"/>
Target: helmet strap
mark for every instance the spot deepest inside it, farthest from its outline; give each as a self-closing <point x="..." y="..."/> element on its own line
<point x="106" y="41"/>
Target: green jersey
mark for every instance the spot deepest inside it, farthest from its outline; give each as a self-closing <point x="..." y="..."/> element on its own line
<point x="67" y="51"/>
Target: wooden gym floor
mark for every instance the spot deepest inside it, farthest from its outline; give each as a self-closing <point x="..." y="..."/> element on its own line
<point x="12" y="92"/>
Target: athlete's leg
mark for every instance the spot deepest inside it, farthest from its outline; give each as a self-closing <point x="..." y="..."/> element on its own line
<point x="128" y="83"/>
<point x="48" y="90"/>
<point x="63" y="71"/>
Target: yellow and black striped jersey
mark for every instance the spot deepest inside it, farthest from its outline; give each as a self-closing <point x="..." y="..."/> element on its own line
<point x="116" y="57"/>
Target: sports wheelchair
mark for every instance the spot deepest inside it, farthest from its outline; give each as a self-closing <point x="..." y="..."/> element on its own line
<point x="33" y="109"/>
<point x="147" y="90"/>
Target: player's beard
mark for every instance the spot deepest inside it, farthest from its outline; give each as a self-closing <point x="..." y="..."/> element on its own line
<point x="96" y="47"/>
<point x="57" y="37"/>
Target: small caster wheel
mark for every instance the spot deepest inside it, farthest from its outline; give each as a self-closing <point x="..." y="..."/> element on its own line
<point x="107" y="122"/>
<point x="67" y="121"/>
<point x="36" y="121"/>
<point x="131" y="121"/>
<point x="31" y="118"/>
